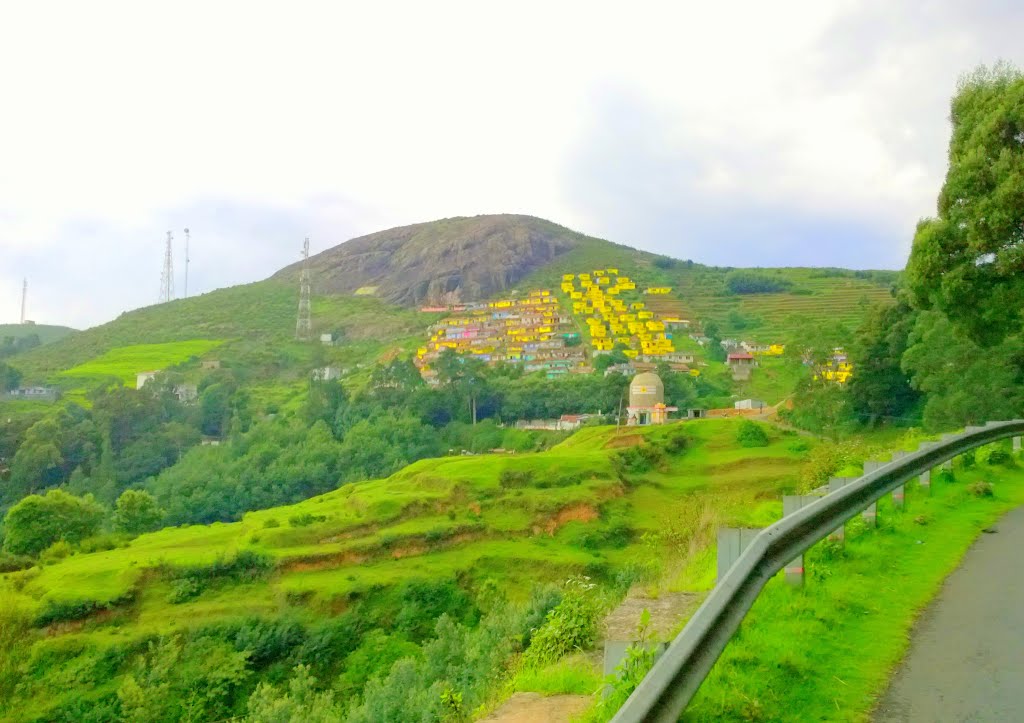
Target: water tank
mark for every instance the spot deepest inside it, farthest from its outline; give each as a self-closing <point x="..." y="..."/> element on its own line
<point x="646" y="390"/>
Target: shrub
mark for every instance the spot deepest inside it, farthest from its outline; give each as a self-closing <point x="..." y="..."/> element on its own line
<point x="13" y="563"/>
<point x="665" y="262"/>
<point x="754" y="282"/>
<point x="55" y="552"/>
<point x="184" y="590"/>
<point x="511" y="478"/>
<point x="980" y="489"/>
<point x="677" y="442"/>
<point x="55" y="611"/>
<point x="998" y="455"/>
<point x="136" y="512"/>
<point x="571" y="625"/>
<point x="638" y="459"/>
<point x="102" y="543"/>
<point x="271" y="522"/>
<point x="751" y="434"/>
<point x="305" y="519"/>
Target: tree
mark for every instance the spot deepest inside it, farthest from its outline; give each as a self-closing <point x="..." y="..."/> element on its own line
<point x="880" y="389"/>
<point x="964" y="383"/>
<point x="36" y="522"/>
<point x="136" y="512"/>
<point x="968" y="261"/>
<point x="10" y="377"/>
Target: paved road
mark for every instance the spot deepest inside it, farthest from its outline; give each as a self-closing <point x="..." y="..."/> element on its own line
<point x="966" y="657"/>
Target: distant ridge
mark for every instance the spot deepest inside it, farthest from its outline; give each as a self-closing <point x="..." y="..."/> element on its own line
<point x="454" y="259"/>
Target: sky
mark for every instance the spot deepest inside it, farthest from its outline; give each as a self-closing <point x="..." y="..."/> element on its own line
<point x="743" y="133"/>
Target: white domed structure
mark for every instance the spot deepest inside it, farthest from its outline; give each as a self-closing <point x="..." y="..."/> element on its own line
<point x="647" y="400"/>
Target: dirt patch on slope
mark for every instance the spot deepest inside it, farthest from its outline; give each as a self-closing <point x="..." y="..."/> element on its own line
<point x="580" y="512"/>
<point x="536" y="708"/>
<point x="624" y="440"/>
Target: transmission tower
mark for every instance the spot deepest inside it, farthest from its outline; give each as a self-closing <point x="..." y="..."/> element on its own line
<point x="304" y="324"/>
<point x="24" y="298"/>
<point x="167" y="275"/>
<point x="186" y="263"/>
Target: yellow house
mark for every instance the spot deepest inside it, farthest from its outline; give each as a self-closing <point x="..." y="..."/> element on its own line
<point x="568" y="277"/>
<point x="614" y="272"/>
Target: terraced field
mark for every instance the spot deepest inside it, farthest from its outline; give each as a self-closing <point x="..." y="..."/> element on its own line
<point x="768" y="318"/>
<point x="503" y="520"/>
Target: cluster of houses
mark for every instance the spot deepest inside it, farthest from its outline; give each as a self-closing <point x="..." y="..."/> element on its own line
<point x="532" y="331"/>
<point x="838" y="368"/>
<point x="32" y="393"/>
<point x="611" y="307"/>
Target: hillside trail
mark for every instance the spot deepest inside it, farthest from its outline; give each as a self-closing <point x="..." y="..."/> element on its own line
<point x="966" y="655"/>
<point x="666" y="611"/>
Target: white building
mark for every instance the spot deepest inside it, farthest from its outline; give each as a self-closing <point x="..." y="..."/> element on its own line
<point x="142" y="377"/>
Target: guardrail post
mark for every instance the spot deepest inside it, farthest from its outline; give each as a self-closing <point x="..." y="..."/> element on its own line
<point x="948" y="464"/>
<point x="791" y="504"/>
<point x="925" y="480"/>
<point x="732" y="541"/>
<point x="899" y="494"/>
<point x="870" y="513"/>
<point x="1016" y="444"/>
<point x="835" y="484"/>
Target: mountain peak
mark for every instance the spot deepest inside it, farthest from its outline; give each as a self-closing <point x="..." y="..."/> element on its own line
<point x="453" y="259"/>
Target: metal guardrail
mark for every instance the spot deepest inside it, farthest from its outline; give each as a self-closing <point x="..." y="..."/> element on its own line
<point x="675" y="678"/>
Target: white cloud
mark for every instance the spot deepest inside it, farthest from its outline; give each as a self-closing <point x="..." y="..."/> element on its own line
<point x="256" y="123"/>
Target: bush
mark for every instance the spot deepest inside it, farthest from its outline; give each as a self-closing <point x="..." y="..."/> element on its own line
<point x="102" y="543"/>
<point x="13" y="563"/>
<point x="980" y="489"/>
<point x="751" y="434"/>
<point x="511" y="478"/>
<point x="665" y="262"/>
<point x="754" y="282"/>
<point x="642" y="458"/>
<point x="998" y="456"/>
<point x="677" y="442"/>
<point x="55" y="611"/>
<point x="305" y="519"/>
<point x="571" y="625"/>
<point x="271" y="522"/>
<point x="55" y="552"/>
<point x="184" y="590"/>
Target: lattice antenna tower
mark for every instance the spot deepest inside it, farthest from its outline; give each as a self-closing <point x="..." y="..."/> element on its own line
<point x="304" y="324"/>
<point x="24" y="298"/>
<point x="167" y="274"/>
<point x="187" y="259"/>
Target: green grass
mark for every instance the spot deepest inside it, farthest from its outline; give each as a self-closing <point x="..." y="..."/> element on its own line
<point x="125" y="362"/>
<point x="451" y="517"/>
<point x="827" y="650"/>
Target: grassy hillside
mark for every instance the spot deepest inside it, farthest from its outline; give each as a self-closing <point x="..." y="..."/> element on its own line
<point x="251" y="327"/>
<point x="505" y="522"/>
<point x="47" y="333"/>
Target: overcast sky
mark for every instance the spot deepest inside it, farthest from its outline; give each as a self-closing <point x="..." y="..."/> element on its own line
<point x="738" y="133"/>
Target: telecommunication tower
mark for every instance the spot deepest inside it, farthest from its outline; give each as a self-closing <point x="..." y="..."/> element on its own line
<point x="186" y="263"/>
<point x="304" y="324"/>
<point x="24" y="298"/>
<point x="167" y="274"/>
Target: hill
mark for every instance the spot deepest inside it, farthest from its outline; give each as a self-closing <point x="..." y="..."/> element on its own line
<point x="47" y="333"/>
<point x="382" y="559"/>
<point x="454" y="259"/>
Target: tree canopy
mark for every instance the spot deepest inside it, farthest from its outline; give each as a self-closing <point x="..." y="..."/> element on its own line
<point x="968" y="261"/>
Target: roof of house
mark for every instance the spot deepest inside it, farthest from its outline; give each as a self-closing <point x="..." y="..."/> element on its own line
<point x="740" y="355"/>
